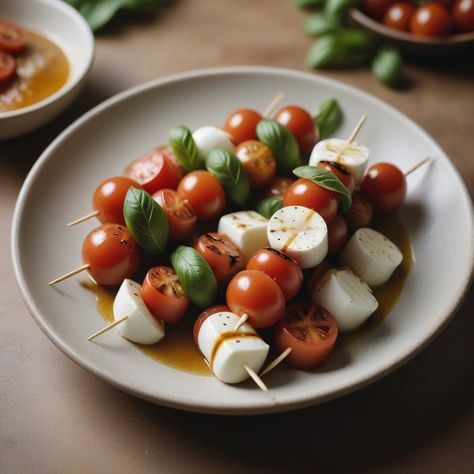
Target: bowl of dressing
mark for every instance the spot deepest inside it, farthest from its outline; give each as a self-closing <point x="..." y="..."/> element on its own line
<point x="50" y="69"/>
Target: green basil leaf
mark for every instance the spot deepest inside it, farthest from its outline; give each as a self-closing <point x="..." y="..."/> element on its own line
<point x="282" y="143"/>
<point x="327" y="180"/>
<point x="309" y="3"/>
<point x="195" y="275"/>
<point x="228" y="169"/>
<point x="146" y="221"/>
<point x="387" y="66"/>
<point x="268" y="206"/>
<point x="338" y="8"/>
<point x="319" y="23"/>
<point x="98" y="12"/>
<point x="325" y="51"/>
<point x="328" y="118"/>
<point x="185" y="149"/>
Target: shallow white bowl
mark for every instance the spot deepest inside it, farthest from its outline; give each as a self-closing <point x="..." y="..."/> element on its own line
<point x="62" y="24"/>
<point x="438" y="215"/>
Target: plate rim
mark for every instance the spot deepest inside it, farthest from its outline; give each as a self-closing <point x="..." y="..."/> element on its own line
<point x="223" y="409"/>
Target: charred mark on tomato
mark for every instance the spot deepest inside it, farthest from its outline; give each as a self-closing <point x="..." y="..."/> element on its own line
<point x="284" y="256"/>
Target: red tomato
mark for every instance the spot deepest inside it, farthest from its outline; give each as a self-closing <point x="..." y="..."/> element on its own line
<point x="300" y="123"/>
<point x="278" y="186"/>
<point x="241" y="125"/>
<point x="204" y="193"/>
<point x="385" y="186"/>
<point x="222" y="255"/>
<point x="203" y="316"/>
<point x="258" y="162"/>
<point x="111" y="253"/>
<point x="342" y="173"/>
<point x="156" y="170"/>
<point x="109" y="197"/>
<point x="376" y="8"/>
<point x="181" y="216"/>
<point x="306" y="193"/>
<point x="7" y="67"/>
<point x="399" y="15"/>
<point x="338" y="233"/>
<point x="256" y="294"/>
<point x="12" y="37"/>
<point x="310" y="331"/>
<point x="279" y="266"/>
<point x="360" y="213"/>
<point x="431" y="19"/>
<point x="463" y="15"/>
<point x="163" y="294"/>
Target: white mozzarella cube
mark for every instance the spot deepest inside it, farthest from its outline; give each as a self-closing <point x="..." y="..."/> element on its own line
<point x="209" y="137"/>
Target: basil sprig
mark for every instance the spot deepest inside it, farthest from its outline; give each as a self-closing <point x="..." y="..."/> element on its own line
<point x="282" y="143"/>
<point x="309" y="3"/>
<point x="326" y="180"/>
<point x="387" y="66"/>
<point x="319" y="23"/>
<point x="184" y="147"/>
<point x="195" y="275"/>
<point x="328" y="118"/>
<point x="228" y="169"/>
<point x="268" y="206"/>
<point x="146" y="221"/>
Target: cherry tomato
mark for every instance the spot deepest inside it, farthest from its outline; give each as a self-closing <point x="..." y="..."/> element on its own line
<point x="7" y="66"/>
<point x="12" y="37"/>
<point x="338" y="233"/>
<point x="306" y="193"/>
<point x="279" y="266"/>
<point x="156" y="170"/>
<point x="204" y="193"/>
<point x="163" y="294"/>
<point x="203" y="316"/>
<point x="463" y="15"/>
<point x="342" y="173"/>
<point x="256" y="294"/>
<point x="431" y="19"/>
<point x="278" y="186"/>
<point x="258" y="162"/>
<point x="241" y="125"/>
<point x="377" y="8"/>
<point x="385" y="186"/>
<point x="360" y="213"/>
<point x="300" y="123"/>
<point x="399" y="15"/>
<point x="111" y="253"/>
<point x="310" y="331"/>
<point x="109" y="197"/>
<point x="181" y="216"/>
<point x="222" y="255"/>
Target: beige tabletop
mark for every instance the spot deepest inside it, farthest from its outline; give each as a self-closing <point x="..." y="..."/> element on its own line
<point x="57" y="418"/>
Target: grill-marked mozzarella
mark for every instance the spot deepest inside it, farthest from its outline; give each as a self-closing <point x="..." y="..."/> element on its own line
<point x="371" y="256"/>
<point x="227" y="351"/>
<point x="299" y="232"/>
<point x="353" y="156"/>
<point x="140" y="326"/>
<point x="346" y="297"/>
<point x="209" y="137"/>
<point x="246" y="229"/>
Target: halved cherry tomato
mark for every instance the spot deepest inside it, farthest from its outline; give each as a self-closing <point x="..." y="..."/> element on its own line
<point x="156" y="170"/>
<point x="241" y="125"/>
<point x="204" y="193"/>
<point x="12" y="37"/>
<point x="306" y="193"/>
<point x="111" y="253"/>
<point x="222" y="255"/>
<point x="258" y="162"/>
<point x="300" y="123"/>
<point x="279" y="266"/>
<point x="463" y="15"/>
<point x="360" y="213"/>
<point x="310" y="331"/>
<point x="398" y="16"/>
<point x="376" y="8"/>
<point x="163" y="294"/>
<point x="109" y="197"/>
<point x="203" y="316"/>
<point x="7" y="66"/>
<point x="256" y="294"/>
<point x="278" y="186"/>
<point x="181" y="216"/>
<point x="431" y="19"/>
<point x="342" y="173"/>
<point x="385" y="186"/>
<point x="338" y="233"/>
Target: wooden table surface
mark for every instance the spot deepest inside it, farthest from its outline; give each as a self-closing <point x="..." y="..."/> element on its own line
<point x="57" y="418"/>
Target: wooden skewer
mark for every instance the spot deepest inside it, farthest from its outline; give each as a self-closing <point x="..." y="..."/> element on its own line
<point x="84" y="218"/>
<point x="356" y="129"/>
<point x="276" y="100"/>
<point x="70" y="274"/>
<point x="107" y="328"/>
<point x="241" y="321"/>
<point x="256" y="378"/>
<point x="418" y="165"/>
<point x="276" y="361"/>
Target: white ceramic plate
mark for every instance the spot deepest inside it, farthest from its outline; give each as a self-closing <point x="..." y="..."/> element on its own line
<point x="438" y="216"/>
